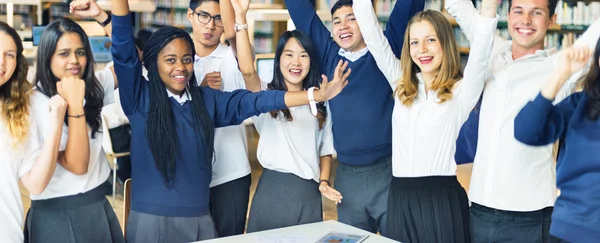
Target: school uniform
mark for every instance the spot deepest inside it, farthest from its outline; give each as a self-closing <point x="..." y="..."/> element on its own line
<point x="230" y="184"/>
<point x="180" y="213"/>
<point x="63" y="211"/>
<point x="17" y="161"/>
<point x="287" y="193"/>
<point x="426" y="202"/>
<point x="362" y="130"/>
<point x="513" y="185"/>
<point x="576" y="216"/>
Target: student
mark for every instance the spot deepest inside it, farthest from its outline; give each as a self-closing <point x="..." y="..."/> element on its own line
<point x="295" y="146"/>
<point x="173" y="122"/>
<point x="512" y="184"/>
<point x="24" y="157"/>
<point x="75" y="193"/>
<point x="362" y="130"/>
<point x="574" y="120"/>
<point x="432" y="100"/>
<point x="215" y="65"/>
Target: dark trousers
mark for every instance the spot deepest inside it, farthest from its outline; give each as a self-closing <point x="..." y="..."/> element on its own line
<point x="229" y="206"/>
<point x="492" y="225"/>
<point x="365" y="190"/>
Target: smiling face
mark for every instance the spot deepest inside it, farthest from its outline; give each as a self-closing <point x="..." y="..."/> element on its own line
<point x="294" y="64"/>
<point x="528" y="22"/>
<point x="425" y="48"/>
<point x="207" y="34"/>
<point x="175" y="64"/>
<point x="69" y="58"/>
<point x="8" y="57"/>
<point x="346" y="32"/>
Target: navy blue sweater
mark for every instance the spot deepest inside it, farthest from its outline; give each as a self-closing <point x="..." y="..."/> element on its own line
<point x="576" y="216"/>
<point x="190" y="195"/>
<point x="362" y="112"/>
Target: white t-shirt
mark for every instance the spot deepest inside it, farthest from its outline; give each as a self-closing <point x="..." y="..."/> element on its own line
<point x="230" y="160"/>
<point x="14" y="163"/>
<point x="293" y="146"/>
<point x="63" y="182"/>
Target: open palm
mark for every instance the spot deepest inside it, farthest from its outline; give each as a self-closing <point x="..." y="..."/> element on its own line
<point x="331" y="89"/>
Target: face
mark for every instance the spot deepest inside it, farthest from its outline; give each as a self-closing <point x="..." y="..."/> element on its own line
<point x="425" y="48"/>
<point x="69" y="58"/>
<point x="294" y="64"/>
<point x="345" y="30"/>
<point x="207" y="26"/>
<point x="175" y="64"/>
<point x="528" y="21"/>
<point x="8" y="57"/>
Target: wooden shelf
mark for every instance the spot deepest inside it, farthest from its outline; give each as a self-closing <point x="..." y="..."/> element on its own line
<point x="464" y="50"/>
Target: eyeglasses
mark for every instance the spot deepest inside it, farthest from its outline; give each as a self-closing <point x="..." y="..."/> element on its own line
<point x="205" y="18"/>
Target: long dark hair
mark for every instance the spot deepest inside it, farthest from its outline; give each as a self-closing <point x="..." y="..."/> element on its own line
<point x="592" y="86"/>
<point x="160" y="128"/>
<point x="45" y="79"/>
<point x="312" y="79"/>
<point x="14" y="94"/>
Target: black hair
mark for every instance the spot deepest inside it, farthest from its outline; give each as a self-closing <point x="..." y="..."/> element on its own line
<point x="591" y="86"/>
<point x="195" y="3"/>
<point x="142" y="37"/>
<point x="160" y="128"/>
<point x="45" y="79"/>
<point x="551" y="6"/>
<point x="312" y="79"/>
<point x="339" y="4"/>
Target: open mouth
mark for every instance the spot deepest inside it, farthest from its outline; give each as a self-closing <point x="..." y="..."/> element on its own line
<point x="525" y="31"/>
<point x="345" y="36"/>
<point x="425" y="60"/>
<point x="74" y="70"/>
<point x="296" y="72"/>
<point x="178" y="78"/>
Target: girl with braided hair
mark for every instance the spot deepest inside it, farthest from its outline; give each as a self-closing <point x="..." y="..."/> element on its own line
<point x="173" y="123"/>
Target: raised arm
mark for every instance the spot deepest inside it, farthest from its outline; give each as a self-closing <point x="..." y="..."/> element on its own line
<point x="306" y="19"/>
<point x="466" y="16"/>
<point x="475" y="72"/>
<point x="396" y="26"/>
<point x="376" y="42"/>
<point x="244" y="51"/>
<point x="539" y="123"/>
<point x="127" y="64"/>
<point x="40" y="161"/>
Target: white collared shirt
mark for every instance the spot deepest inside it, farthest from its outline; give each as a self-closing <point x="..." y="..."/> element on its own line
<point x="63" y="182"/>
<point x="181" y="99"/>
<point x="230" y="160"/>
<point x="507" y="174"/>
<point x="424" y="134"/>
<point x="353" y="56"/>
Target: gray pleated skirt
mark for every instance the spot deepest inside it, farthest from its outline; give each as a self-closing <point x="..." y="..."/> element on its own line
<point x="282" y="200"/>
<point x="148" y="228"/>
<point x="85" y="217"/>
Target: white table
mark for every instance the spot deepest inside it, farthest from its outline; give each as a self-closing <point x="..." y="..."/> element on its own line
<point x="309" y="232"/>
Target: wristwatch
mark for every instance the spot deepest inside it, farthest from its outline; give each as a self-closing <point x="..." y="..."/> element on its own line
<point x="239" y="27"/>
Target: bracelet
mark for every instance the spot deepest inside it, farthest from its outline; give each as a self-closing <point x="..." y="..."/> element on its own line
<point x="76" y="116"/>
<point x="311" y="101"/>
<point x="326" y="181"/>
<point x="106" y="22"/>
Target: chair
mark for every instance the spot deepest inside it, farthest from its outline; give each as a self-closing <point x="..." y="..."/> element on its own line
<point x="126" y="204"/>
<point x="108" y="149"/>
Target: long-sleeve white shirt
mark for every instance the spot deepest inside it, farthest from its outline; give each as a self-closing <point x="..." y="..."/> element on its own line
<point x="507" y="174"/>
<point x="424" y="133"/>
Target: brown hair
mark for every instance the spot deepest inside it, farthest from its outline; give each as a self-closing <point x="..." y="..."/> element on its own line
<point x="449" y="73"/>
<point x="14" y="94"/>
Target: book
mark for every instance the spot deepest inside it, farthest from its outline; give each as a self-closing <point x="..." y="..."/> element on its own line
<point x="336" y="237"/>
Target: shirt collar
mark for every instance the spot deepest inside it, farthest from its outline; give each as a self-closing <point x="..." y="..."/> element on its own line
<point x="353" y="56"/>
<point x="507" y="53"/>
<point x="219" y="52"/>
<point x="180" y="99"/>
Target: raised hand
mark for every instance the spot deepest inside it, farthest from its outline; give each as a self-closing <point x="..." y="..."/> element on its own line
<point x="72" y="90"/>
<point x="212" y="80"/>
<point x="85" y="8"/>
<point x="330" y="193"/>
<point x="58" y="109"/>
<point x="240" y="6"/>
<point x="331" y="89"/>
<point x="573" y="59"/>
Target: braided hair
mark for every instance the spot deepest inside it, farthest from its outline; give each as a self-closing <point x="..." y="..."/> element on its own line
<point x="160" y="128"/>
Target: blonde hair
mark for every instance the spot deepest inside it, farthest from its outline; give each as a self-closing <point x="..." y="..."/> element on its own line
<point x="449" y="73"/>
